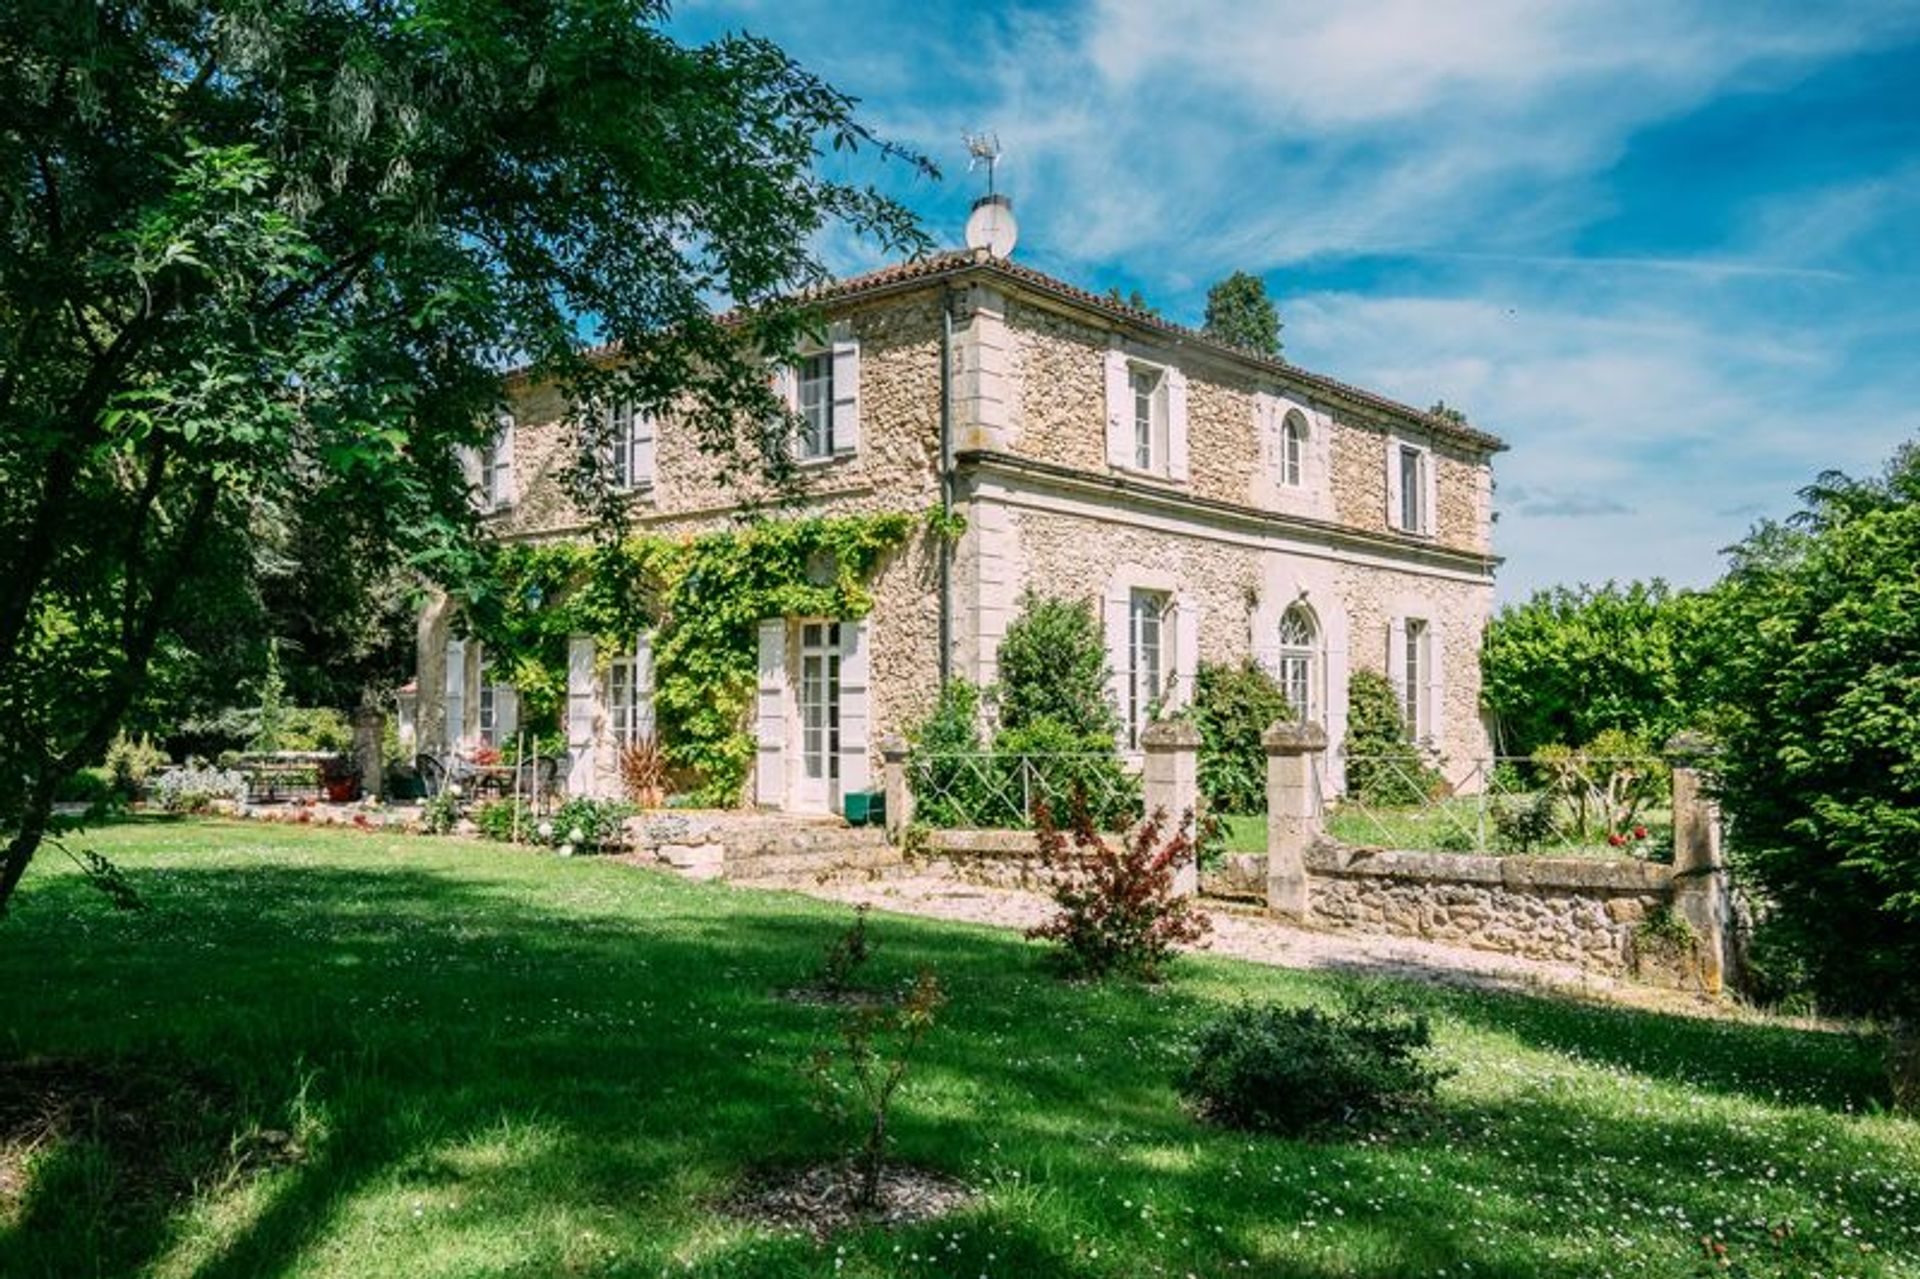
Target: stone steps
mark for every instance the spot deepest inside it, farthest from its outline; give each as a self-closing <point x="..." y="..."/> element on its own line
<point x="812" y="854"/>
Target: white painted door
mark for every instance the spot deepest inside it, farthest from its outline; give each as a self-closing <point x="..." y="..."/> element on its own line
<point x="818" y="788"/>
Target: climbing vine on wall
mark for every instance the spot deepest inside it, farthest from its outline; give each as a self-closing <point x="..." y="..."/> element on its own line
<point x="703" y="597"/>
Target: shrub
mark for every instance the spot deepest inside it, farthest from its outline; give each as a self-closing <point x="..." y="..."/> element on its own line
<point x="1118" y="911"/>
<point x="506" y="820"/>
<point x="643" y="771"/>
<point x="132" y="761"/>
<point x="1046" y="762"/>
<point x="88" y="786"/>
<point x="858" y="1084"/>
<point x="1053" y="666"/>
<point x="1304" y="1072"/>
<point x="847" y="954"/>
<point x="1232" y="707"/>
<point x="1384" y="767"/>
<point x="589" y="825"/>
<point x="441" y="813"/>
<point x="195" y="788"/>
<point x="949" y="790"/>
<point x="1523" y="823"/>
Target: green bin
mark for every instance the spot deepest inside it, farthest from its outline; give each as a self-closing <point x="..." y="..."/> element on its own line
<point x="865" y="807"/>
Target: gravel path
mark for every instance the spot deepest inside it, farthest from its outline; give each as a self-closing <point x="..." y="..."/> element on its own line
<point x="1244" y="933"/>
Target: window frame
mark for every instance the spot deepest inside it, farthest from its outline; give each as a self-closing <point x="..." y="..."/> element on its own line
<point x="1140" y="702"/>
<point x="814" y="442"/>
<point x="1307" y="656"/>
<point x="624" y="422"/>
<point x="1416" y="674"/>
<point x="623" y="710"/>
<point x="1154" y="438"/>
<point x="1416" y="491"/>
<point x="495" y="463"/>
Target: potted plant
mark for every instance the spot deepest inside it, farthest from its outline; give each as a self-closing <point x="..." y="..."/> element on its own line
<point x="340" y="780"/>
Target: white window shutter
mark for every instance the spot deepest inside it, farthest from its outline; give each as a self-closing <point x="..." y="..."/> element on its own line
<point x="770" y="772"/>
<point x="456" y="706"/>
<point x="643" y="684"/>
<point x="1119" y="649"/>
<point x="1431" y="694"/>
<point x="1176" y="425"/>
<point x="504" y="494"/>
<point x="846" y="390"/>
<point x="1429" y="507"/>
<point x="1186" y="651"/>
<point x="646" y="451"/>
<point x="506" y="712"/>
<point x="1393" y="483"/>
<point x="1266" y="648"/>
<point x="1397" y="659"/>
<point x="1119" y="412"/>
<point x="580" y="715"/>
<point x="786" y="385"/>
<point x="855" y="771"/>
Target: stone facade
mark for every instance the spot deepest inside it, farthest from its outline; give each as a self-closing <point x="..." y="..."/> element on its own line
<point x="1028" y="436"/>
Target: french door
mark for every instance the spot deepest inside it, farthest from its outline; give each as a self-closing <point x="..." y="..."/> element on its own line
<point x="819" y="772"/>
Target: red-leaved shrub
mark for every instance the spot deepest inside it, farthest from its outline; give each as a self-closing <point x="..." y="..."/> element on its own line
<point x="1118" y="908"/>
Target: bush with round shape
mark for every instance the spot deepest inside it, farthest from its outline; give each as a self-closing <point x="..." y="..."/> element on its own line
<point x="1303" y="1072"/>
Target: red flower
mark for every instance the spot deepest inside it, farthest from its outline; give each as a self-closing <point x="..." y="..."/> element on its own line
<point x="1639" y="832"/>
<point x="1615" y="840"/>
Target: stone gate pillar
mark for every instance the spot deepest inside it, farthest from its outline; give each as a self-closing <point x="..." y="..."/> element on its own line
<point x="893" y="756"/>
<point x="369" y="754"/>
<point x="1701" y="893"/>
<point x="1172" y="785"/>
<point x="1293" y="812"/>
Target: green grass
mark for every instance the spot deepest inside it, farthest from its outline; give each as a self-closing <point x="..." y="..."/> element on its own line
<point x="499" y="1063"/>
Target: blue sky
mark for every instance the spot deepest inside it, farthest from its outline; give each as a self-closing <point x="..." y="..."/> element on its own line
<point x="1670" y="251"/>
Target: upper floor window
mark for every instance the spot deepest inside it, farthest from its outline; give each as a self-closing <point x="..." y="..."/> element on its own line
<point x="814" y="402"/>
<point x="1146" y="674"/>
<point x="631" y="437"/>
<point x="1410" y="487"/>
<point x="1146" y="417"/>
<point x="496" y="467"/>
<point x="1299" y="661"/>
<point x="1293" y="450"/>
<point x="1148" y="388"/>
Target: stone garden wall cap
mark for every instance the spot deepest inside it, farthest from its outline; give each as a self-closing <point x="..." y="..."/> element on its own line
<point x="1170" y="732"/>
<point x="1286" y="735"/>
<point x="1687" y="746"/>
<point x="892" y="746"/>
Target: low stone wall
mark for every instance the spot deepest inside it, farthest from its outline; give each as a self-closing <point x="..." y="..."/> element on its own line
<point x="1581" y="911"/>
<point x="993" y="858"/>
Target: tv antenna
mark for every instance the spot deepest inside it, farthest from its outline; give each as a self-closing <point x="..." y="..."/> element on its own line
<point x="983" y="148"/>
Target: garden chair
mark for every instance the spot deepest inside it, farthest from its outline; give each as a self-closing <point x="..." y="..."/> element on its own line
<point x="433" y="774"/>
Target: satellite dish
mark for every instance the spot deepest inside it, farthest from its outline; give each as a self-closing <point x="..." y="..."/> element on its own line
<point x="991" y="225"/>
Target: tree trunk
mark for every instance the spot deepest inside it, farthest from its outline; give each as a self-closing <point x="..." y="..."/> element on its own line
<point x="871" y="1160"/>
<point x="26" y="840"/>
<point x="1903" y="1063"/>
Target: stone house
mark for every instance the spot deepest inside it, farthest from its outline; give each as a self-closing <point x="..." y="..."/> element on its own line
<point x="1214" y="504"/>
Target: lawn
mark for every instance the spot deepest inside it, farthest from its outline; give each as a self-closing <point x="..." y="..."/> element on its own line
<point x="383" y="1055"/>
<point x="1460" y="824"/>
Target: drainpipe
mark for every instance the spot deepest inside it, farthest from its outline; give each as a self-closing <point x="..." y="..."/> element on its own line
<point x="946" y="488"/>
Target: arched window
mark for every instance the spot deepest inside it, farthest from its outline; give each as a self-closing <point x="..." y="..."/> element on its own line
<point x="1300" y="661"/>
<point x="1293" y="450"/>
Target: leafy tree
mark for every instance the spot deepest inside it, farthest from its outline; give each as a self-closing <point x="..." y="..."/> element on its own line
<point x="1053" y="666"/>
<point x="1240" y="313"/>
<point x="1816" y="633"/>
<point x="1132" y="298"/>
<point x="266" y="259"/>
<point x="1568" y="664"/>
<point x="1232" y="706"/>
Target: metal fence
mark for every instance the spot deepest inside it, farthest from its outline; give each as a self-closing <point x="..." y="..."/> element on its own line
<point x="992" y="790"/>
<point x="1577" y="805"/>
